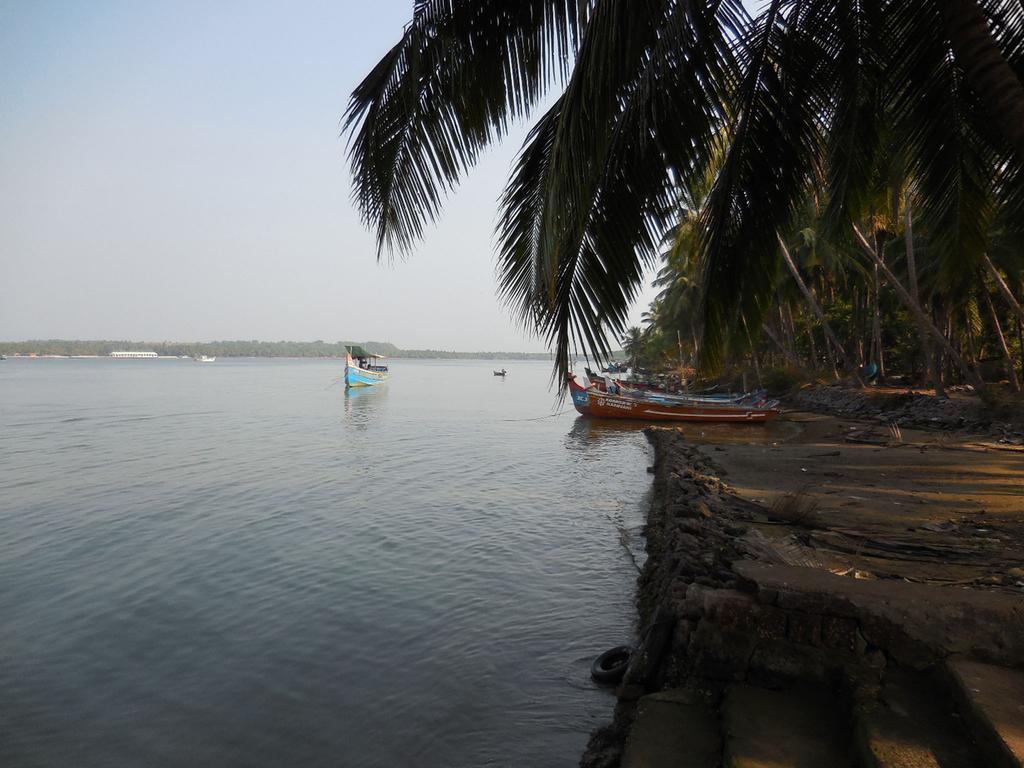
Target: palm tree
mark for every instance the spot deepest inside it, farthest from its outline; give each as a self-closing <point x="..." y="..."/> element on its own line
<point x="648" y="91"/>
<point x="633" y="345"/>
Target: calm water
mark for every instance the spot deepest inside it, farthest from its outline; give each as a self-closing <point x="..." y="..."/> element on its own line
<point x="237" y="564"/>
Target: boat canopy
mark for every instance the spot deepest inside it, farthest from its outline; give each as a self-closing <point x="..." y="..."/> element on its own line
<point x="360" y="352"/>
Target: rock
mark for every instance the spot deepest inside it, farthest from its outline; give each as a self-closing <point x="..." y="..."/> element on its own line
<point x="803" y="628"/>
<point x="992" y="700"/>
<point x="718" y="654"/>
<point x="673" y="729"/>
<point x="802" y="727"/>
<point x="840" y="633"/>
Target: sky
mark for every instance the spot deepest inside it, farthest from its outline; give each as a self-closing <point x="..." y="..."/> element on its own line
<point x="176" y="171"/>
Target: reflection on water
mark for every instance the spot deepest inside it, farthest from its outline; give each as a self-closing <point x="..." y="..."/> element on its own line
<point x="361" y="404"/>
<point x="587" y="431"/>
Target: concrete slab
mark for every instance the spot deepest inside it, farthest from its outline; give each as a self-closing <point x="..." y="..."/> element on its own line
<point x="798" y="728"/>
<point x="914" y="726"/>
<point x="673" y="729"/>
<point x="992" y="702"/>
<point x="941" y="620"/>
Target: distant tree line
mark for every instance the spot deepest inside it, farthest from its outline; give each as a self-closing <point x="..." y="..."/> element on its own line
<point x="252" y="348"/>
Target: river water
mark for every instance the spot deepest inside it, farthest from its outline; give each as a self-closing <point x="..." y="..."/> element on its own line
<point x="237" y="564"/>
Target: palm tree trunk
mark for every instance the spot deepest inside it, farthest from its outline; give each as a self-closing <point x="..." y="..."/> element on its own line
<point x="753" y="353"/>
<point x="791" y="327"/>
<point x="787" y="327"/>
<point x="1011" y="373"/>
<point x="813" y="345"/>
<point x="946" y="361"/>
<point x="812" y="302"/>
<point x="914" y="307"/>
<point x="787" y="353"/>
<point x="830" y="353"/>
<point x="828" y="346"/>
<point x="972" y="353"/>
<point x="989" y="74"/>
<point x="1020" y="345"/>
<point x="875" y="353"/>
<point x="877" y="308"/>
<point x="922" y="329"/>
<point x="1003" y="287"/>
<point x="858" y="326"/>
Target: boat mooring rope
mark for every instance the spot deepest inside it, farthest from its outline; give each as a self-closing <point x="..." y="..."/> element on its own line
<point x="538" y="418"/>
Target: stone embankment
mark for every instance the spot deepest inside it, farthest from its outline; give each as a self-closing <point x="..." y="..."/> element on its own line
<point x="961" y="412"/>
<point x="748" y="656"/>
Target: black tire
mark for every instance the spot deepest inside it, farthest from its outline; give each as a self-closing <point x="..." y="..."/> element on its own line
<point x="610" y="666"/>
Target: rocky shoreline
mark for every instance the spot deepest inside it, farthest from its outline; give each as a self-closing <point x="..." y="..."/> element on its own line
<point x="729" y="613"/>
<point x="907" y="408"/>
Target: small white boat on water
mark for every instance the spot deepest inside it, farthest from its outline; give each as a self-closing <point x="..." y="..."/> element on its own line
<point x="204" y="359"/>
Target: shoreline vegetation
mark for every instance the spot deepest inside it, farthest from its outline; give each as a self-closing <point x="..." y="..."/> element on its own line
<point x="313" y="349"/>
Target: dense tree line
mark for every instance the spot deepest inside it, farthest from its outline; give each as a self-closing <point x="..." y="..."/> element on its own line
<point x="246" y="349"/>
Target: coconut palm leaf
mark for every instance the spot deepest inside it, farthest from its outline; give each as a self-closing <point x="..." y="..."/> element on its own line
<point x="855" y="135"/>
<point x="462" y="70"/>
<point x="633" y="119"/>
<point x="773" y="142"/>
<point x="948" y="145"/>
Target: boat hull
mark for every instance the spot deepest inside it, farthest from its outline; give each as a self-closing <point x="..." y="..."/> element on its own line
<point x="602" y="405"/>
<point x="360" y="377"/>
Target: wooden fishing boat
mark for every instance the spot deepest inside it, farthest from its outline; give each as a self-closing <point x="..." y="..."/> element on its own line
<point x="647" y="391"/>
<point x="362" y="369"/>
<point x="503" y="373"/>
<point x="745" y="398"/>
<point x="604" y="405"/>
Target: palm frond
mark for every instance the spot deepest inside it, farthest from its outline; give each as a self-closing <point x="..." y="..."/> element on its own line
<point x="634" y="117"/>
<point x="773" y="142"/>
<point x="855" y="132"/>
<point x="948" y="145"/>
<point x="461" y="71"/>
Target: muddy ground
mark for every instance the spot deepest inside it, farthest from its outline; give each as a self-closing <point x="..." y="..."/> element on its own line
<point x="855" y="497"/>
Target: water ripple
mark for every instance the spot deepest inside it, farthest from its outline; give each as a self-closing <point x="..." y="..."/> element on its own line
<point x="239" y="565"/>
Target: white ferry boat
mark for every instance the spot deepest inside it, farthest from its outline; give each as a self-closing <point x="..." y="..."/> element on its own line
<point x="133" y="355"/>
<point x="204" y="359"/>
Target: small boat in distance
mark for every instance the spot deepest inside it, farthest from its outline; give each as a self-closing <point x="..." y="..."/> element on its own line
<point x="593" y="402"/>
<point x="503" y="373"/>
<point x="362" y="368"/>
<point x="204" y="359"/>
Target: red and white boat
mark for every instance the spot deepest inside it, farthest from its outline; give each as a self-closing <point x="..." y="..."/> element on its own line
<point x="590" y="401"/>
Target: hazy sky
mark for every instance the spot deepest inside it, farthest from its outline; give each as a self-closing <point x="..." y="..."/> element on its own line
<point x="173" y="170"/>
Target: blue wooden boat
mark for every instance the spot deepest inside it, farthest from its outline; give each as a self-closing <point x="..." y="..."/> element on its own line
<point x="363" y="369"/>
